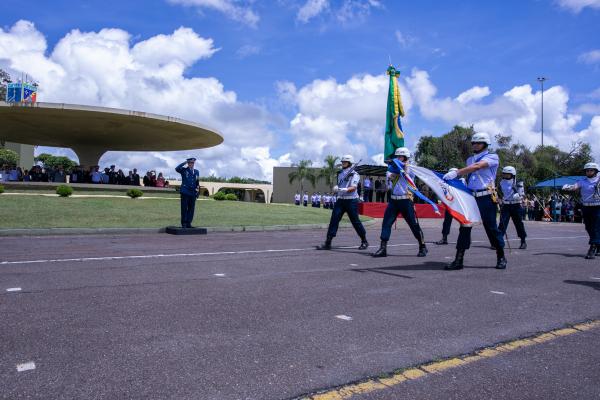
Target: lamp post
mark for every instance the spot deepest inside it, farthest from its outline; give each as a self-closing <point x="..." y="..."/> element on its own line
<point x="541" y="80"/>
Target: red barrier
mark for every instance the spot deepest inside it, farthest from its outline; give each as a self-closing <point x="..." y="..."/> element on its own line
<point x="376" y="210"/>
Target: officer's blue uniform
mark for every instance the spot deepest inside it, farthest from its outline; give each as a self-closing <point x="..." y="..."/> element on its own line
<point x="346" y="203"/>
<point x="189" y="184"/>
<point x="590" y="197"/>
<point x="479" y="183"/>
<point x="512" y="194"/>
<point x="400" y="203"/>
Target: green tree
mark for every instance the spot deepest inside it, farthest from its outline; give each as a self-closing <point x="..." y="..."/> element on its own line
<point x="50" y="161"/>
<point x="329" y="172"/>
<point x="8" y="157"/>
<point x="446" y="151"/>
<point x="303" y="173"/>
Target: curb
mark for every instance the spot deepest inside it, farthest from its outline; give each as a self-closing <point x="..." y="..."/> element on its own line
<point x="134" y="231"/>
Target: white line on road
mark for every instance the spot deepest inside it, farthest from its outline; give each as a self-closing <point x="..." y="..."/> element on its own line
<point x="26" y="366"/>
<point x="344" y="317"/>
<point x="219" y="275"/>
<point x="354" y="265"/>
<point x="495" y="292"/>
<point x="597" y="279"/>
<point x="13" y="289"/>
<point x="221" y="253"/>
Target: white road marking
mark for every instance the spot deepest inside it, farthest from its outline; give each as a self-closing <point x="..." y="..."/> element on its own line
<point x="354" y="265"/>
<point x="448" y="258"/>
<point x="26" y="366"/>
<point x="221" y="253"/>
<point x="597" y="279"/>
<point x="13" y="289"/>
<point x="344" y="317"/>
<point x="219" y="275"/>
<point x="495" y="292"/>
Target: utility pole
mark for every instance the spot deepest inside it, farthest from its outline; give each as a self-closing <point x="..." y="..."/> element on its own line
<point x="541" y="80"/>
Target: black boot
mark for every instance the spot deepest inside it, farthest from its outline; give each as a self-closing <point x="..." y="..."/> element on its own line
<point x="444" y="240"/>
<point x="363" y="244"/>
<point x="326" y="245"/>
<point x="523" y="245"/>
<point x="382" y="251"/>
<point x="500" y="259"/>
<point x="457" y="263"/>
<point x="598" y="250"/>
<point x="422" y="250"/>
<point x="591" y="254"/>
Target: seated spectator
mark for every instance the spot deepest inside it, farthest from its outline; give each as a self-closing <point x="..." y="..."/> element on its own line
<point x="160" y="181"/>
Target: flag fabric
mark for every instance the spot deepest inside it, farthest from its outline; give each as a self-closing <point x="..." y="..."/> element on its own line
<point x="459" y="200"/>
<point x="397" y="167"/>
<point x="394" y="135"/>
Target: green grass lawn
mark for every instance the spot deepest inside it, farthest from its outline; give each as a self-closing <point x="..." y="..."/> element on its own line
<point x="55" y="212"/>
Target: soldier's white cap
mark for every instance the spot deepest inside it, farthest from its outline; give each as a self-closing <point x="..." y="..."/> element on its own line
<point x="348" y="158"/>
<point x="509" y="170"/>
<point x="481" y="137"/>
<point x="591" y="165"/>
<point x="402" y="151"/>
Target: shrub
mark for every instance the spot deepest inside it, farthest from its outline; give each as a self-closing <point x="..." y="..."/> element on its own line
<point x="219" y="196"/>
<point x="1" y="189"/>
<point x="64" y="190"/>
<point x="135" y="193"/>
<point x="231" y="197"/>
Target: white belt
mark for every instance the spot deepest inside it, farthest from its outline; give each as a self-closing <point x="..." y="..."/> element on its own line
<point x="512" y="202"/>
<point x="596" y="204"/>
<point x="347" y="198"/>
<point x="403" y="197"/>
<point x="481" y="193"/>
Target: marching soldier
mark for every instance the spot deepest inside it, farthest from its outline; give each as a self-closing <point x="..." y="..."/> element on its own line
<point x="447" y="219"/>
<point x="346" y="202"/>
<point x="400" y="203"/>
<point x="590" y="197"/>
<point x="190" y="186"/>
<point x="513" y="194"/>
<point x="481" y="171"/>
<point x="305" y="199"/>
<point x="297" y="199"/>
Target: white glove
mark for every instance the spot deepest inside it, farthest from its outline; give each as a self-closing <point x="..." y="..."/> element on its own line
<point x="567" y="187"/>
<point x="336" y="188"/>
<point x="450" y="175"/>
<point x="516" y="196"/>
<point x="343" y="190"/>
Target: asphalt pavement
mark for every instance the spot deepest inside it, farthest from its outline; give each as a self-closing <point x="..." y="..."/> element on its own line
<point x="262" y="315"/>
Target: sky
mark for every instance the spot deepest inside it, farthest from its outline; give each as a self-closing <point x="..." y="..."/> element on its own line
<point x="285" y="80"/>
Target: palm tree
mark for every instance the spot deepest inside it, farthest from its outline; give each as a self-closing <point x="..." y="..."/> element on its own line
<point x="303" y="172"/>
<point x="329" y="171"/>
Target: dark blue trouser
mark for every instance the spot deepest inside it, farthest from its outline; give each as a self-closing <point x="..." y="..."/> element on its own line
<point x="447" y="223"/>
<point x="487" y="209"/>
<point x="406" y="208"/>
<point x="188" y="204"/>
<point x="513" y="211"/>
<point x="591" y="219"/>
<point x="342" y="206"/>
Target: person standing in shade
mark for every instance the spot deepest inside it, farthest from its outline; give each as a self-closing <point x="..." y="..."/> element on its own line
<point x="368" y="190"/>
<point x="347" y="202"/>
<point x="400" y="202"/>
<point x="447" y="219"/>
<point x="589" y="187"/>
<point x="190" y="186"/>
<point x="513" y="193"/>
<point x="481" y="170"/>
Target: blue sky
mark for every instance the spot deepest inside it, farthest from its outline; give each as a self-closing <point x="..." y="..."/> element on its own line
<point x="300" y="78"/>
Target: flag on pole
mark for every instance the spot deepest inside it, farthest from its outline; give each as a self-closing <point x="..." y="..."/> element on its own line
<point x="459" y="200"/>
<point x="394" y="135"/>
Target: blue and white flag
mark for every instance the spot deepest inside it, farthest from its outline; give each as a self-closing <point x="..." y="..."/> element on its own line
<point x="459" y="200"/>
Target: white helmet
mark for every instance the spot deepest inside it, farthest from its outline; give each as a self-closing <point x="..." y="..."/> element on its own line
<point x="402" y="151"/>
<point x="591" y="165"/>
<point x="453" y="169"/>
<point x="481" y="137"/>
<point x="348" y="158"/>
<point x="509" y="170"/>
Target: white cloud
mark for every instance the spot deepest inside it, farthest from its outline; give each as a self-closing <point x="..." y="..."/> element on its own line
<point x="404" y="40"/>
<point x="103" y="68"/>
<point x="474" y="94"/>
<point x="247" y="50"/>
<point x="344" y="11"/>
<point x="311" y="9"/>
<point x="591" y="57"/>
<point x="577" y="5"/>
<point x="231" y="8"/>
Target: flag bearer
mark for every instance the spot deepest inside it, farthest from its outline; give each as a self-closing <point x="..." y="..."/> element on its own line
<point x="347" y="202"/>
<point x="400" y="203"/>
<point x="590" y="197"/>
<point x="513" y="193"/>
<point x="481" y="172"/>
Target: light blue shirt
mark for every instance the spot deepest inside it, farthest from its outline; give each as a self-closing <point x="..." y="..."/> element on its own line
<point x="400" y="188"/>
<point x="346" y="180"/>
<point x="367" y="183"/>
<point x="590" y="190"/>
<point x="482" y="179"/>
<point x="511" y="191"/>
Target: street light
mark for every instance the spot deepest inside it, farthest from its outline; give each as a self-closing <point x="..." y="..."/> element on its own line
<point x="541" y="80"/>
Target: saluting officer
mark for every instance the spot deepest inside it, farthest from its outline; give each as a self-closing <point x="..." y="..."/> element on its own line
<point x="346" y="202"/>
<point x="513" y="193"/>
<point x="481" y="170"/>
<point x="590" y="197"/>
<point x="190" y="186"/>
<point x="400" y="203"/>
<point x="447" y="219"/>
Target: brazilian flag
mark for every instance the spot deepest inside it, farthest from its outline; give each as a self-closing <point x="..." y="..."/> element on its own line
<point x="394" y="135"/>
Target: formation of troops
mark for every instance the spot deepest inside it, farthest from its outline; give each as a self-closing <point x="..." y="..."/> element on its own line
<point x="479" y="176"/>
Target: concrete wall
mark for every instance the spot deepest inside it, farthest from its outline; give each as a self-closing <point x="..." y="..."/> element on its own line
<point x="25" y="152"/>
<point x="283" y="192"/>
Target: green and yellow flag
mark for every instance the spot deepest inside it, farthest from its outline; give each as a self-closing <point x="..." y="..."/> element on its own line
<point x="394" y="136"/>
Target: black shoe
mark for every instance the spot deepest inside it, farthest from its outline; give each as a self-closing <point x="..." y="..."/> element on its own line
<point x="457" y="263"/>
<point x="591" y="254"/>
<point x="382" y="251"/>
<point x="326" y="245"/>
<point x="363" y="245"/>
<point x="501" y="263"/>
<point x="443" y="240"/>
<point x="598" y="250"/>
<point x="422" y="251"/>
<point x="523" y="245"/>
